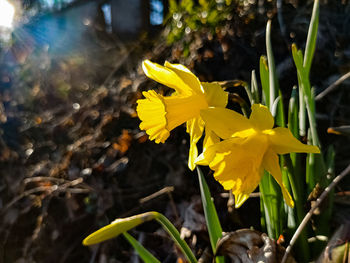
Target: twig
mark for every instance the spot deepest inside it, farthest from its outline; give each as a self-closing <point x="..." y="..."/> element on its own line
<point x="162" y="191"/>
<point x="43" y="178"/>
<point x="48" y="189"/>
<point x="332" y="86"/>
<point x="313" y="208"/>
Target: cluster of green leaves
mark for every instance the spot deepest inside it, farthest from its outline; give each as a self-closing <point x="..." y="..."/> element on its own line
<point x="304" y="175"/>
<point x="188" y="15"/>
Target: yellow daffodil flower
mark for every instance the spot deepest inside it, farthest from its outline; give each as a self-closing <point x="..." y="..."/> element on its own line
<point x="159" y="114"/>
<point x="250" y="146"/>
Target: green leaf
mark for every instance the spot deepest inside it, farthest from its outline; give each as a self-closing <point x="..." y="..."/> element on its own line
<point x="293" y="113"/>
<point x="311" y="37"/>
<point x="211" y="217"/>
<point x="264" y="77"/>
<point x="172" y="231"/>
<point x="254" y="89"/>
<point x="273" y="205"/>
<point x="273" y="85"/>
<point x="144" y="254"/>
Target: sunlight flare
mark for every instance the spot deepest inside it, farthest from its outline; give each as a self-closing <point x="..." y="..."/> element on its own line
<point x="7" y="12"/>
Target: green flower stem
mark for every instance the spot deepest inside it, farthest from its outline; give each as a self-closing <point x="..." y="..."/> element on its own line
<point x="242" y="103"/>
<point x="211" y="217"/>
<point x="249" y="93"/>
<point x="271" y="199"/>
<point x="254" y="89"/>
<point x="303" y="245"/>
<point x="302" y="112"/>
<point x="271" y="64"/>
<point x="169" y="227"/>
<point x="311" y="37"/>
<point x="146" y="256"/>
<point x="312" y="120"/>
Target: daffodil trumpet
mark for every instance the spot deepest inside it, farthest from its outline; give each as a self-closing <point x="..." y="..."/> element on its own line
<point x="160" y="114"/>
<point x="249" y="147"/>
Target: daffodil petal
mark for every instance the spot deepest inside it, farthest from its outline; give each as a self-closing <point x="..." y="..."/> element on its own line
<point x="224" y="122"/>
<point x="151" y="112"/>
<point x="167" y="77"/>
<point x="195" y="128"/>
<point x="210" y="139"/>
<point x="208" y="155"/>
<point x="282" y="141"/>
<point x="215" y="95"/>
<point x="180" y="109"/>
<point x="261" y="117"/>
<point x="237" y="164"/>
<point x="186" y="76"/>
<point x="240" y="199"/>
<point x="271" y="164"/>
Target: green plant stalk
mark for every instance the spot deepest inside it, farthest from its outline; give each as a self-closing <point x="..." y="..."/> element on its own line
<point x="264" y="77"/>
<point x="211" y="217"/>
<point x="280" y="119"/>
<point x="293" y="113"/>
<point x="311" y="37"/>
<point x="293" y="164"/>
<point x="172" y="231"/>
<point x="249" y="93"/>
<point x="330" y="175"/>
<point x="310" y="108"/>
<point x="264" y="190"/>
<point x="271" y="64"/>
<point x="305" y="70"/>
<point x="302" y="111"/>
<point x="272" y="196"/>
<point x="293" y="161"/>
<point x="144" y="254"/>
<point x="254" y="88"/>
<point x="272" y="205"/>
<point x="302" y="242"/>
<point x="263" y="212"/>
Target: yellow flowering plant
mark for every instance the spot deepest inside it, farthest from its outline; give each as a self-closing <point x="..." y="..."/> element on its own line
<point x="159" y="114"/>
<point x="250" y="146"/>
<point x="243" y="152"/>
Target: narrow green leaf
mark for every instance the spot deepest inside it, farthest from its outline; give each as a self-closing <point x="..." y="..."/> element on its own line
<point x="254" y="88"/>
<point x="249" y="93"/>
<point x="297" y="215"/>
<point x="264" y="77"/>
<point x="298" y="60"/>
<point x="293" y="113"/>
<point x="272" y="69"/>
<point x="272" y="197"/>
<point x="311" y="37"/>
<point x="211" y="217"/>
<point x="172" y="231"/>
<point x="330" y="157"/>
<point x="144" y="254"/>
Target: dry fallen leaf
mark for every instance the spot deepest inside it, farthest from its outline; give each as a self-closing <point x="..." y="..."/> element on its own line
<point x="250" y="246"/>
